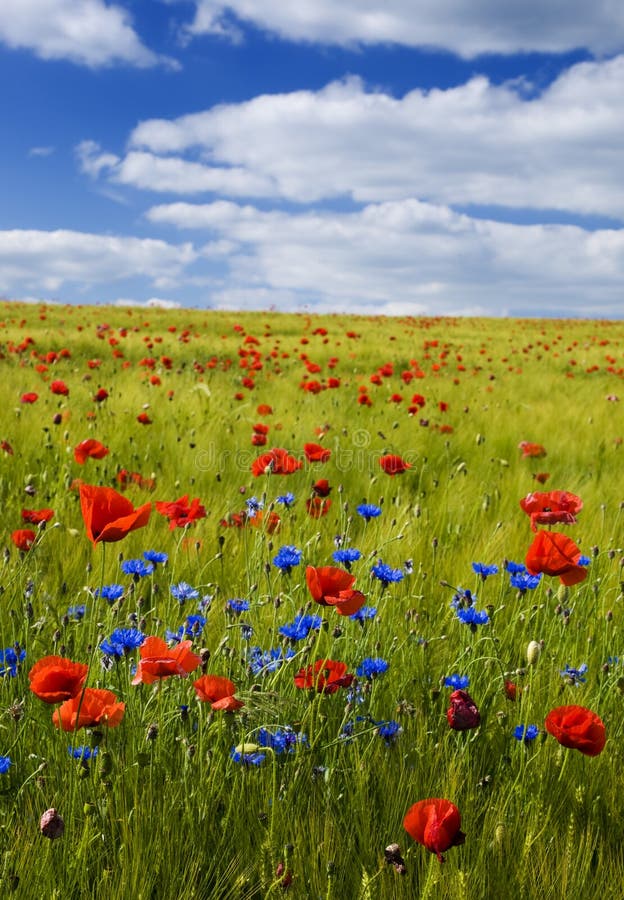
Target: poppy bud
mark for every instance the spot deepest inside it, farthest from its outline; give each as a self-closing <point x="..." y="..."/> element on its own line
<point x="463" y="712"/>
<point x="51" y="824"/>
<point x="533" y="653"/>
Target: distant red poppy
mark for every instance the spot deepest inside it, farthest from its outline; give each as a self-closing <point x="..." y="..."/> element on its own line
<point x="325" y="676"/>
<point x="551" y="507"/>
<point x="160" y="661"/>
<point x="555" y="554"/>
<point x="512" y="691"/>
<point x="531" y="450"/>
<point x="100" y="395"/>
<point x="4" y="445"/>
<point x="218" y="691"/>
<point x="321" y="488"/>
<point x="23" y="539"/>
<point x="264" y="409"/>
<point x="37" y="516"/>
<point x="276" y="462"/>
<point x="541" y="477"/>
<point x="144" y="419"/>
<point x="578" y="728"/>
<point x="30" y="397"/>
<point x="59" y="387"/>
<point x="436" y="824"/>
<point x="89" y="449"/>
<point x="393" y="465"/>
<point x="108" y="516"/>
<point x="90" y="707"/>
<point x="54" y="679"/>
<point x="316" y="453"/>
<point x="463" y="713"/>
<point x="330" y="586"/>
<point x="180" y="512"/>
<point x="317" y="506"/>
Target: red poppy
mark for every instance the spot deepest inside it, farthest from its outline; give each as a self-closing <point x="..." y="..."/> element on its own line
<point x="59" y="387"/>
<point x="108" y="516"/>
<point x="578" y="728"/>
<point x="326" y="676"/>
<point x="531" y="450"/>
<point x="331" y="586"/>
<point x="436" y="824"/>
<point x="23" y="539"/>
<point x="218" y="691"/>
<point x="258" y="440"/>
<point x="89" y="448"/>
<point x="276" y="462"/>
<point x="181" y="512"/>
<point x="30" y="397"/>
<point x="555" y="554"/>
<point x="463" y="713"/>
<point x="317" y="507"/>
<point x="144" y="419"/>
<point x="4" y="445"/>
<point x="551" y="507"/>
<point x="160" y="661"/>
<point x="393" y="465"/>
<point x="541" y="477"/>
<point x="316" y="453"/>
<point x="100" y="395"/>
<point x="92" y="706"/>
<point x="321" y="488"/>
<point x="512" y="691"/>
<point x="54" y="679"/>
<point x="264" y="409"/>
<point x="37" y="516"/>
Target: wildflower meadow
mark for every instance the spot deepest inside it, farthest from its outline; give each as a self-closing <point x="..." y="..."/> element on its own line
<point x="321" y="607"/>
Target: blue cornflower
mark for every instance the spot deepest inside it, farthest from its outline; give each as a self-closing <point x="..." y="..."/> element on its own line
<point x="346" y="556"/>
<point x="76" y="612"/>
<point x="483" y="570"/>
<point x="368" y="511"/>
<point x="472" y="617"/>
<point x="246" y="631"/>
<point x="10" y="658"/>
<point x="574" y="676"/>
<point x="583" y="561"/>
<point x="138" y="568"/>
<point x="155" y="557"/>
<point x="371" y="668"/>
<point x="253" y="507"/>
<point x="282" y="740"/>
<point x="192" y="628"/>
<point x="83" y="753"/>
<point x="287" y="557"/>
<point x="364" y="612"/>
<point x="183" y="592"/>
<point x="252" y="758"/>
<point x="526" y="733"/>
<point x="261" y="662"/>
<point x="515" y="568"/>
<point x="110" y="592"/>
<point x="457" y="682"/>
<point x="386" y="574"/>
<point x="122" y="641"/>
<point x="300" y="627"/>
<point x="205" y="603"/>
<point x="5" y="764"/>
<point x="389" y="731"/>
<point x="236" y="606"/>
<point x="524" y="582"/>
<point x="462" y="598"/>
<point x="286" y="499"/>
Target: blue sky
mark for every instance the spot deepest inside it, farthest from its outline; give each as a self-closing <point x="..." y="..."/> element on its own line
<point x="406" y="157"/>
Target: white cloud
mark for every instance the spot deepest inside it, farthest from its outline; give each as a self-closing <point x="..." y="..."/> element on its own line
<point x="152" y="303"/>
<point x="47" y="260"/>
<point x="477" y="143"/>
<point x="466" y="28"/>
<point x="41" y="152"/>
<point x="88" y="32"/>
<point x="408" y="256"/>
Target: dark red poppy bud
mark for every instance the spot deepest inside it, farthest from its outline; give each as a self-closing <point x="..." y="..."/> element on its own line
<point x="463" y="712"/>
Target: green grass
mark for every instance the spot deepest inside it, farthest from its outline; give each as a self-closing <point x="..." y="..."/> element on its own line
<point x="174" y="815"/>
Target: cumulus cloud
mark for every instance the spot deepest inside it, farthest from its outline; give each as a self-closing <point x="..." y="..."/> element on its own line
<point x="46" y="260"/>
<point x="92" y="33"/>
<point x="409" y="256"/>
<point x="468" y="29"/>
<point x="474" y="144"/>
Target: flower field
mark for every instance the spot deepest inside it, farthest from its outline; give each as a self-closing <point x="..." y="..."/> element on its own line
<point x="322" y="607"/>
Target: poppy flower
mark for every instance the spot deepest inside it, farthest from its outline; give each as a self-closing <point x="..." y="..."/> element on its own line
<point x="181" y="512"/>
<point x="108" y="516"/>
<point x="551" y="507"/>
<point x="529" y="449"/>
<point x="4" y="445"/>
<point x="144" y="419"/>
<point x="29" y="397"/>
<point x="326" y="676"/>
<point x="578" y="728"/>
<point x="23" y="539"/>
<point x="59" y="387"/>
<point x="218" y="691"/>
<point x="37" y="516"/>
<point x="393" y="465"/>
<point x="89" y="448"/>
<point x="160" y="661"/>
<point x="436" y="824"/>
<point x="92" y="706"/>
<point x="54" y="679"/>
<point x="264" y="409"/>
<point x="321" y="488"/>
<point x="463" y="713"/>
<point x="317" y="507"/>
<point x="555" y="554"/>
<point x="276" y="462"/>
<point x="316" y="453"/>
<point x="100" y="395"/>
<point x="541" y="477"/>
<point x="330" y="586"/>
